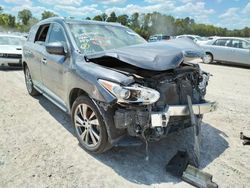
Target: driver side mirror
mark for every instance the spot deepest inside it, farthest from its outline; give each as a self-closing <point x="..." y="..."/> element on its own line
<point x="56" y="48"/>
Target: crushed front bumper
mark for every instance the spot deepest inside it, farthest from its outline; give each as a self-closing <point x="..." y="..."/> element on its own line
<point x="161" y="118"/>
<point x="182" y="110"/>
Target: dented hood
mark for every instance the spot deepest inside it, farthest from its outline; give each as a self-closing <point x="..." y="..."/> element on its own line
<point x="157" y="56"/>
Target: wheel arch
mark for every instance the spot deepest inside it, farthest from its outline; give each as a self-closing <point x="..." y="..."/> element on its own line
<point x="74" y="93"/>
<point x="24" y="64"/>
<point x="211" y="54"/>
<point x="113" y="134"/>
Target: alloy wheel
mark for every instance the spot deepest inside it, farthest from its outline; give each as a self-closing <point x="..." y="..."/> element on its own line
<point x="207" y="59"/>
<point x="87" y="125"/>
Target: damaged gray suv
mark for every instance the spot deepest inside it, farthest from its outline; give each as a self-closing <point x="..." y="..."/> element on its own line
<point x="113" y="82"/>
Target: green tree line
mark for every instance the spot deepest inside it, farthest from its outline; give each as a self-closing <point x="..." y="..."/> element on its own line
<point x="144" y="24"/>
<point x="23" y="22"/>
<point x="157" y="23"/>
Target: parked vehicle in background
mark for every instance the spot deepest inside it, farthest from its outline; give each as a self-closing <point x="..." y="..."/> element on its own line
<point x="228" y="49"/>
<point x="11" y="50"/>
<point x="212" y="37"/>
<point x="113" y="82"/>
<point x="159" y="37"/>
<point x="196" y="38"/>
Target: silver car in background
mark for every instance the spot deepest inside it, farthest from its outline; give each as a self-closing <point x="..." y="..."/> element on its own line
<point x="227" y="49"/>
<point x="11" y="50"/>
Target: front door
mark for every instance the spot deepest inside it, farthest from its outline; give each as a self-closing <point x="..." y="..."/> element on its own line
<point x="54" y="67"/>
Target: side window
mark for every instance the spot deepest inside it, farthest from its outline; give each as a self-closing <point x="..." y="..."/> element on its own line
<point x="57" y="34"/>
<point x="42" y="34"/>
<point x="235" y="43"/>
<point x="228" y="43"/>
<point x="244" y="44"/>
<point x="222" y="42"/>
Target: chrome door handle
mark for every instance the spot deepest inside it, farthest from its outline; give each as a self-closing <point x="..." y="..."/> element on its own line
<point x="44" y="60"/>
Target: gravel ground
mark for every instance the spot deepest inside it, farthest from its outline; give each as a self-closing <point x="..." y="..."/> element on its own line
<point x="38" y="149"/>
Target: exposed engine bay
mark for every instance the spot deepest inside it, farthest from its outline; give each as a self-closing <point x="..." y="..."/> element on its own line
<point x="151" y="120"/>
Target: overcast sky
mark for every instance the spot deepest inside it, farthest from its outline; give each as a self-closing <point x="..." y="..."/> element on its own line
<point x="233" y="14"/>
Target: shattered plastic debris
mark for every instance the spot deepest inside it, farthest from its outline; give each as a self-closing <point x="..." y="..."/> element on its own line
<point x="198" y="178"/>
<point x="246" y="140"/>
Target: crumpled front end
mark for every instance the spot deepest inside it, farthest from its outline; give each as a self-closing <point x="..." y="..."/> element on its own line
<point x="157" y="104"/>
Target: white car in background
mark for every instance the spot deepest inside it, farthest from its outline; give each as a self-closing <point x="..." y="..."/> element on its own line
<point x="196" y="38"/>
<point x="212" y="37"/>
<point x="227" y="49"/>
<point x="11" y="50"/>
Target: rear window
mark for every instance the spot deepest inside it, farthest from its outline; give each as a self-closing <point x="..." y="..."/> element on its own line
<point x="41" y="34"/>
<point x="245" y="45"/>
<point x="240" y="44"/>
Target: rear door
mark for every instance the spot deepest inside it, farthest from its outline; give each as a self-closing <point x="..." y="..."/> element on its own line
<point x="54" y="67"/>
<point x="241" y="51"/>
<point x="34" y="50"/>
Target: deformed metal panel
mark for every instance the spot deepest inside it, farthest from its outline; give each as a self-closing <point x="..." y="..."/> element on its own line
<point x="198" y="178"/>
<point x="158" y="56"/>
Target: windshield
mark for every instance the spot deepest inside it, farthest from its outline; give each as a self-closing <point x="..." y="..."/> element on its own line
<point x="91" y="38"/>
<point x="8" y="40"/>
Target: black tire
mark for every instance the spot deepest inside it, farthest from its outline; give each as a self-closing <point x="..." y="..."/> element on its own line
<point x="102" y="144"/>
<point x="29" y="83"/>
<point x="208" y="58"/>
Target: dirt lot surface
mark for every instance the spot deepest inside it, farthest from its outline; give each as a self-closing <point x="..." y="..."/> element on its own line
<point x="38" y="149"/>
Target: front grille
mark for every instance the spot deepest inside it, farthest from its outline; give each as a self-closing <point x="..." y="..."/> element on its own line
<point x="176" y="92"/>
<point x="13" y="56"/>
<point x="15" y="64"/>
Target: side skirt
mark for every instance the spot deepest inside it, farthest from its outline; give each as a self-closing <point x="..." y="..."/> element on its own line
<point x="52" y="99"/>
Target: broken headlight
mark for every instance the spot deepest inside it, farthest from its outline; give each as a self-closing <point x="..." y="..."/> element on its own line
<point x="134" y="94"/>
<point x="203" y="82"/>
